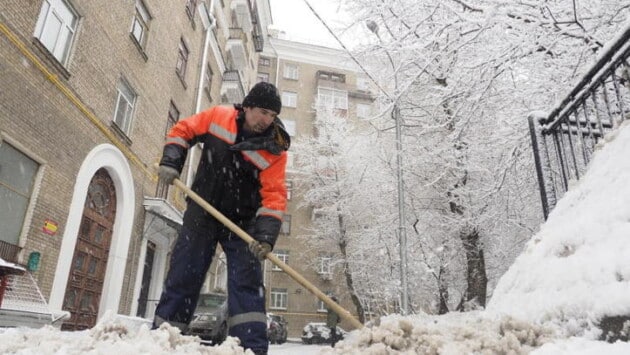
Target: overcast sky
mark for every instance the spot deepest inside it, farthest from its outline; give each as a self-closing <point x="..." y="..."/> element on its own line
<point x="300" y="24"/>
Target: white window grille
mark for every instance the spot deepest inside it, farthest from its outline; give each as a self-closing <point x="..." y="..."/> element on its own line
<point x="291" y="71"/>
<point x="283" y="255"/>
<point x="289" y="99"/>
<point x="334" y="98"/>
<point x="182" y="59"/>
<point x="324" y="266"/>
<point x="125" y="103"/>
<point x="363" y="84"/>
<point x="289" y="126"/>
<point x="321" y="306"/>
<point x="140" y="25"/>
<point x="279" y="298"/>
<point x="55" y="28"/>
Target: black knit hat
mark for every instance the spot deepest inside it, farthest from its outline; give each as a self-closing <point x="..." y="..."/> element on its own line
<point x="263" y="95"/>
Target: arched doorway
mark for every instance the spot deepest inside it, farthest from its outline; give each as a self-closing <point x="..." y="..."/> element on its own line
<point x="87" y="273"/>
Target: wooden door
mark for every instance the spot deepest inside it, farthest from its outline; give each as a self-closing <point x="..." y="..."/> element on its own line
<point x="85" y="283"/>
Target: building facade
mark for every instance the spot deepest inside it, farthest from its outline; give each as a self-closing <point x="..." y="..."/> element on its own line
<point x="306" y="74"/>
<point x="88" y="91"/>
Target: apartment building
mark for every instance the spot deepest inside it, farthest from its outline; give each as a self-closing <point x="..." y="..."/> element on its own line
<point x="305" y="74"/>
<point x="88" y="90"/>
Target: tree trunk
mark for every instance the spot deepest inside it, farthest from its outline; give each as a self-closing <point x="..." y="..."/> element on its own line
<point x="476" y="268"/>
<point x="346" y="270"/>
<point x="443" y="291"/>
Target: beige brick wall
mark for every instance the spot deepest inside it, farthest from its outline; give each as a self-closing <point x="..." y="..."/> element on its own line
<point x="41" y="120"/>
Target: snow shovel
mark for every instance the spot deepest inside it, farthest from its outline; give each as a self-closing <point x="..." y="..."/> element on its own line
<point x="270" y="256"/>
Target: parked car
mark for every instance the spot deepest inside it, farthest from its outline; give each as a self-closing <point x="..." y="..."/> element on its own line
<point x="318" y="333"/>
<point x="277" y="328"/>
<point x="210" y="318"/>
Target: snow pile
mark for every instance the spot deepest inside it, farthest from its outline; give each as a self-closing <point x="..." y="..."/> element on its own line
<point x="110" y="336"/>
<point x="453" y="333"/>
<point x="576" y="270"/>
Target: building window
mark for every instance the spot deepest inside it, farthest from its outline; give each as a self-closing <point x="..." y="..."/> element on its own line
<point x="324" y="265"/>
<point x="290" y="159"/>
<point x="207" y="81"/>
<point x="328" y="97"/>
<point x="17" y="177"/>
<point x="265" y="62"/>
<point x="125" y="102"/>
<point x="55" y="29"/>
<point x="364" y="110"/>
<point x="363" y="84"/>
<point x="291" y="71"/>
<point x="289" y="126"/>
<point x="191" y="5"/>
<point x="289" y="185"/>
<point x="182" y="60"/>
<point x="325" y="75"/>
<point x="140" y="27"/>
<point x="286" y="224"/>
<point x="321" y="306"/>
<point x="173" y="116"/>
<point x="289" y="99"/>
<point x="279" y="298"/>
<point x="282" y="255"/>
<point x="262" y="77"/>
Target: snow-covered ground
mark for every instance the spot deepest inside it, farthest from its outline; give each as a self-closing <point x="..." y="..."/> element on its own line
<point x="570" y="274"/>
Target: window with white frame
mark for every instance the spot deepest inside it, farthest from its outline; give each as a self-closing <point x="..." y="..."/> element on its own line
<point x="279" y="298"/>
<point x="289" y="126"/>
<point x="321" y="306"/>
<point x="260" y="77"/>
<point x="290" y="160"/>
<point x="282" y="255"/>
<point x="289" y="99"/>
<point x="55" y="28"/>
<point x="291" y="72"/>
<point x="324" y="265"/>
<point x="285" y="228"/>
<point x="17" y="178"/>
<point x="265" y="62"/>
<point x="140" y="26"/>
<point x="334" y="98"/>
<point x="125" y="103"/>
<point x="364" y="110"/>
<point x="289" y="185"/>
<point x="182" y="59"/>
<point x="363" y="84"/>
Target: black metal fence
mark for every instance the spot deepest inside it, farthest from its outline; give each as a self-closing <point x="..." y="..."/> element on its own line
<point x="564" y="141"/>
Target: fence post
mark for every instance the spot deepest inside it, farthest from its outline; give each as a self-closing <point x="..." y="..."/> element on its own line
<point x="537" y="161"/>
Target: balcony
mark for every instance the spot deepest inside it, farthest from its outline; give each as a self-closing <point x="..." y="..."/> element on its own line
<point x="235" y="47"/>
<point x="241" y="16"/>
<point x="232" y="87"/>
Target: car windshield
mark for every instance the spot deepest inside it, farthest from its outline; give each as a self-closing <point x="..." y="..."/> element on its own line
<point x="210" y="301"/>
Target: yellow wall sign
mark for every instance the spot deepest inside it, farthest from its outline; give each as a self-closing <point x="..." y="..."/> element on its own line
<point x="50" y="227"/>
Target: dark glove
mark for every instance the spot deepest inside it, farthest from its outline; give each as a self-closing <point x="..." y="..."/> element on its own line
<point x="259" y="249"/>
<point x="166" y="174"/>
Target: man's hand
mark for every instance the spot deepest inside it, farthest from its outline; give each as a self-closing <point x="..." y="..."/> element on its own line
<point x="166" y="174"/>
<point x="259" y="249"/>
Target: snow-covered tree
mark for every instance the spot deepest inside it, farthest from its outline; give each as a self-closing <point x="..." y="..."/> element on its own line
<point x="465" y="75"/>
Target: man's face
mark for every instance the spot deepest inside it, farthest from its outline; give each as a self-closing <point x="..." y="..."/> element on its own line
<point x="258" y="119"/>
